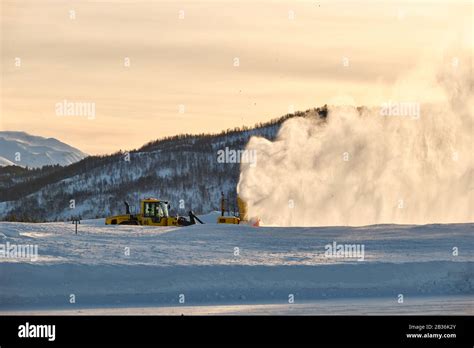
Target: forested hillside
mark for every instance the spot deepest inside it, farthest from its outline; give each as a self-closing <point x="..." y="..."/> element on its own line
<point x="182" y="169"/>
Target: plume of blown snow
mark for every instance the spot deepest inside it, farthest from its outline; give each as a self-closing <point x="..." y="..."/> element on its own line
<point x="359" y="167"/>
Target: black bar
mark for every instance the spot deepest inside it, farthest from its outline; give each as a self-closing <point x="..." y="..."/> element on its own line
<point x="223" y="330"/>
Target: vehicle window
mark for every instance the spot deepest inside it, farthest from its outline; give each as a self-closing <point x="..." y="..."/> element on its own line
<point x="149" y="209"/>
<point x="164" y="208"/>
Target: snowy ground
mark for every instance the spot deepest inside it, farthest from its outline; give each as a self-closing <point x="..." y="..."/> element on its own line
<point x="421" y="305"/>
<point x="202" y="263"/>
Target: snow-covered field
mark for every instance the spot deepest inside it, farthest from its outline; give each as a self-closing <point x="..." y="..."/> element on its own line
<point x="237" y="269"/>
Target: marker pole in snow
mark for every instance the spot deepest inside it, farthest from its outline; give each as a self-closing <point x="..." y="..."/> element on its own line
<point x="222" y="203"/>
<point x="75" y="221"/>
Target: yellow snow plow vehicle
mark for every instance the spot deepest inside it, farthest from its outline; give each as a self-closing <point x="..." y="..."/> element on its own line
<point x="236" y="217"/>
<point x="153" y="212"/>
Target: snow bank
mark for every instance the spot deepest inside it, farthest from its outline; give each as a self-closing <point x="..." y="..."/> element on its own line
<point x="218" y="264"/>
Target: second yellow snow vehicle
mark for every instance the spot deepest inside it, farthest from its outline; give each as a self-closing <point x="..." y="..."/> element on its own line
<point x="153" y="212"/>
<point x="232" y="219"/>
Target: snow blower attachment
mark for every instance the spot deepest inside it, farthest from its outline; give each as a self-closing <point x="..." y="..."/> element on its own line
<point x="232" y="219"/>
<point x="153" y="212"/>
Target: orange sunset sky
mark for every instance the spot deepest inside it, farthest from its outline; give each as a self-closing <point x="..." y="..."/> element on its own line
<point x="183" y="76"/>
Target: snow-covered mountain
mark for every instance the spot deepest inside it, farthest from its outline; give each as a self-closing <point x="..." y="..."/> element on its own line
<point x="25" y="150"/>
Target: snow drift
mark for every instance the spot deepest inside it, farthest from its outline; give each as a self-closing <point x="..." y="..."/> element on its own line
<point x="126" y="266"/>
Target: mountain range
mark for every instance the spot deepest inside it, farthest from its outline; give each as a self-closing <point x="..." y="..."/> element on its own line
<point x="25" y="150"/>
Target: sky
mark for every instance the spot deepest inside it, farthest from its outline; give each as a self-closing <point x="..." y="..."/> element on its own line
<point x="149" y="69"/>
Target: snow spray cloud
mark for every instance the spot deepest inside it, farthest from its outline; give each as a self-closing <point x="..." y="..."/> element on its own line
<point x="360" y="167"/>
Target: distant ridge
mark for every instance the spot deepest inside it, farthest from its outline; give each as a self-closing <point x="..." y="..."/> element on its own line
<point x="26" y="150"/>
